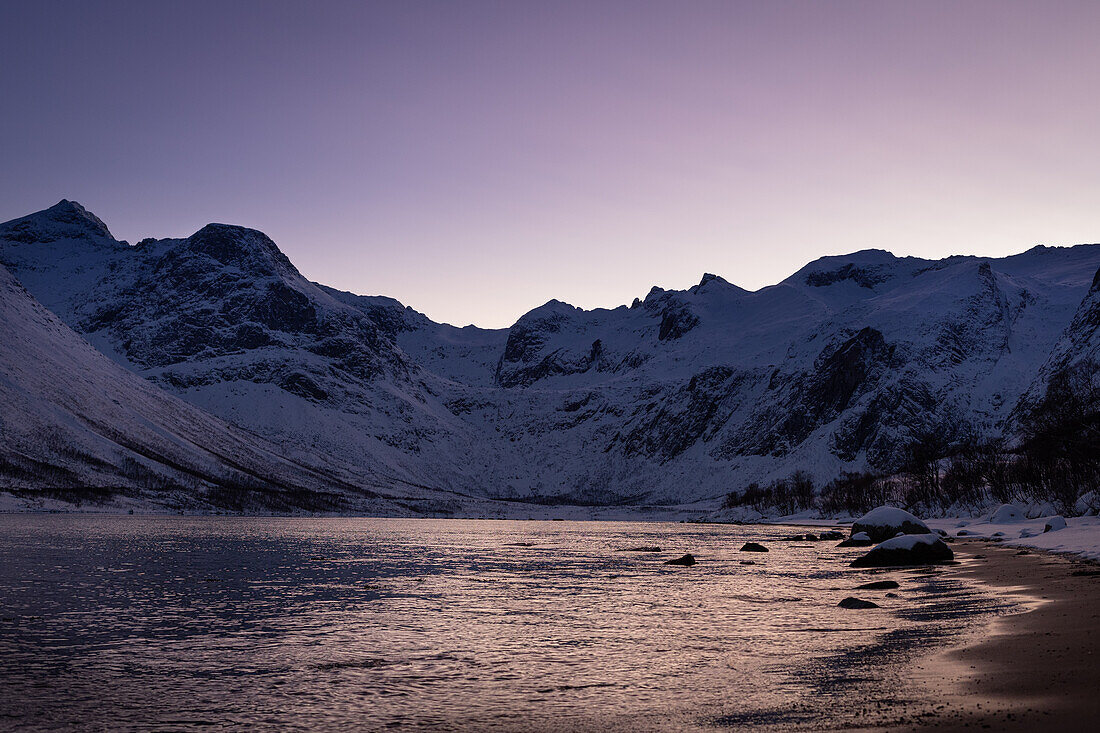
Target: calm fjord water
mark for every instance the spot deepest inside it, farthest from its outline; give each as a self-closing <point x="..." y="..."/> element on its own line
<point x="113" y="622"/>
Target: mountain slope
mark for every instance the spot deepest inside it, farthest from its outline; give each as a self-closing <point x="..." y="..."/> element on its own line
<point x="683" y="395"/>
<point x="78" y="424"/>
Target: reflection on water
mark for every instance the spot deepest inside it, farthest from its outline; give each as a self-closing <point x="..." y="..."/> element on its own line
<point x="134" y="622"/>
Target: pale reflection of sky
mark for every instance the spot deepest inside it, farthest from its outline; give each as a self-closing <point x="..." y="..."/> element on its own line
<point x="330" y="623"/>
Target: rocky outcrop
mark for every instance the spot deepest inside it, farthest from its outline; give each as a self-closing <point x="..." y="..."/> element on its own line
<point x="914" y="549"/>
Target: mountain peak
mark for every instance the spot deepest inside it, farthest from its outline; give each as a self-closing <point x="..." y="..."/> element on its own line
<point x="866" y="268"/>
<point x="64" y="220"/>
<point x="720" y="283"/>
<point x="236" y="246"/>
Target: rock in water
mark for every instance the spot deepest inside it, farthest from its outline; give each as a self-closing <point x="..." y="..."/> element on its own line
<point x="885" y="522"/>
<point x="687" y="561"/>
<point x="859" y="539"/>
<point x="1054" y="524"/>
<point x="851" y="602"/>
<point x="753" y="547"/>
<point x="913" y="549"/>
<point x="878" y="585"/>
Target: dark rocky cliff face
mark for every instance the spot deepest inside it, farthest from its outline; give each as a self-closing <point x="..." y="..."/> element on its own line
<point x="798" y="404"/>
<point x="675" y="419"/>
<point x="676" y="320"/>
<point x="227" y="293"/>
<point x="865" y="277"/>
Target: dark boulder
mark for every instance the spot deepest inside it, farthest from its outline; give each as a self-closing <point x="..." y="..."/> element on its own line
<point x="686" y="561"/>
<point x="921" y="549"/>
<point x="858" y="603"/>
<point x="878" y="585"/>
<point x="753" y="547"/>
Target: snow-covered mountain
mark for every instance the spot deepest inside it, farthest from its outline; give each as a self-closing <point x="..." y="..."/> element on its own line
<point x="1080" y="343"/>
<point x="682" y="395"/>
<point x="1073" y="367"/>
<point x="76" y="424"/>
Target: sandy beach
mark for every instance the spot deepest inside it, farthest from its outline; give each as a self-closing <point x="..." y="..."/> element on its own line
<point x="1035" y="670"/>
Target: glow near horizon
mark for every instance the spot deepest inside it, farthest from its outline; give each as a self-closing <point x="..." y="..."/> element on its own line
<point x="477" y="160"/>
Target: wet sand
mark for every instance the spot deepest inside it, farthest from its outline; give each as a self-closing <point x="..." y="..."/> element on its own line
<point x="1036" y="670"/>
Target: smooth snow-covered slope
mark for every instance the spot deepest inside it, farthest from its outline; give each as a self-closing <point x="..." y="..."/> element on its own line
<point x="683" y="395"/>
<point x="74" y="422"/>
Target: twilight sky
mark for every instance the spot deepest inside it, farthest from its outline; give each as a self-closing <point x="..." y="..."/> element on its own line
<point x="476" y="159"/>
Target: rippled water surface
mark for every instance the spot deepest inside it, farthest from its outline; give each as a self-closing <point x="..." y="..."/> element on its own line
<point x="176" y="622"/>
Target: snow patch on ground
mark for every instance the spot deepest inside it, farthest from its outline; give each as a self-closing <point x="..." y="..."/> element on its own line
<point x="1081" y="535"/>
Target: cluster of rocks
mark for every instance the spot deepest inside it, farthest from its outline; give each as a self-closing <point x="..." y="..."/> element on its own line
<point x="811" y="537"/>
<point x="896" y="537"/>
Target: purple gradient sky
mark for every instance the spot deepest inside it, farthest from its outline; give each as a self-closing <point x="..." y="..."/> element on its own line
<point x="477" y="159"/>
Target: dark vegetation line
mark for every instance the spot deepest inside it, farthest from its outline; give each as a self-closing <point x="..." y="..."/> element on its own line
<point x="1055" y="460"/>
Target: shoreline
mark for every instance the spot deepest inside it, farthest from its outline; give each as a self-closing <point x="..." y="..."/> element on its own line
<point x="1038" y="669"/>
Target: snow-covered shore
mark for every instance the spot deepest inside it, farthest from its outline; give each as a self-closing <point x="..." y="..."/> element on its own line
<point x="1080" y="536"/>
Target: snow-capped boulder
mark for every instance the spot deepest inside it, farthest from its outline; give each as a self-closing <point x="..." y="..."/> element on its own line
<point x="859" y="539"/>
<point x="1040" y="509"/>
<point x="913" y="549"/>
<point x="1054" y="524"/>
<point x="885" y="522"/>
<point x="1088" y="503"/>
<point x="1007" y="513"/>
